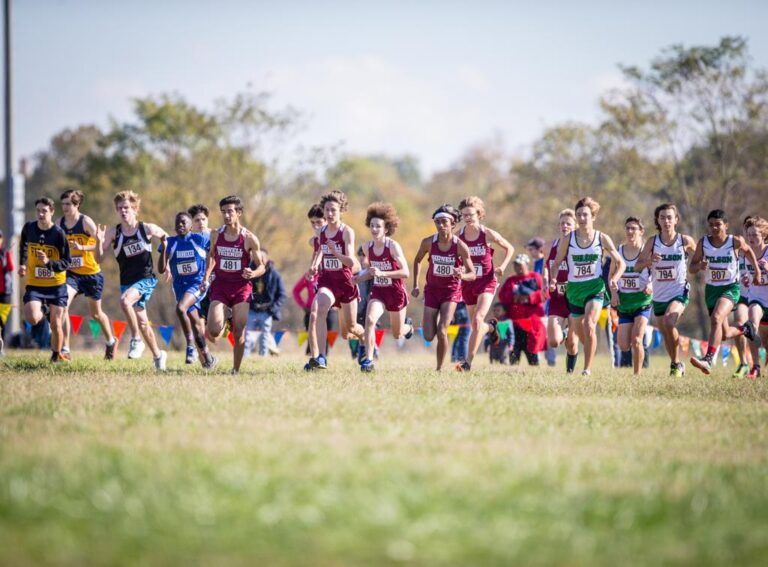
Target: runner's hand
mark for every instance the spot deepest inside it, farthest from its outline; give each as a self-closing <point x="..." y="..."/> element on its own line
<point x="415" y="292"/>
<point x="42" y="257"/>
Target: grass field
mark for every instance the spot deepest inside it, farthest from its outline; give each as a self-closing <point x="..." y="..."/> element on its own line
<point x="116" y="465"/>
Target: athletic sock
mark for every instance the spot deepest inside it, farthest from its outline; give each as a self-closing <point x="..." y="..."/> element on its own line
<point x="110" y="343"/>
<point x="570" y="362"/>
<point x="711" y="351"/>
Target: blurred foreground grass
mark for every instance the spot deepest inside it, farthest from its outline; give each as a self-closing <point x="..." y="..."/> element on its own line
<point x="116" y="465"/>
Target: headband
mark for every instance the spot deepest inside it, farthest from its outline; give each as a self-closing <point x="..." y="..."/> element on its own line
<point x="442" y="215"/>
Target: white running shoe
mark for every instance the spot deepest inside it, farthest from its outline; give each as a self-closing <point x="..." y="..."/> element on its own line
<point x="161" y="360"/>
<point x="135" y="348"/>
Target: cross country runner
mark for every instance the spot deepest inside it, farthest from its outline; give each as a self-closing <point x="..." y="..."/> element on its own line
<point x="131" y="243"/>
<point x="717" y="254"/>
<point x="388" y="270"/>
<point x="756" y="231"/>
<point x="478" y="294"/>
<point x="335" y="261"/>
<point x="584" y="249"/>
<point x="44" y="258"/>
<point x="741" y="312"/>
<point x="666" y="256"/>
<point x="200" y="215"/>
<point x="449" y="265"/>
<point x="233" y="250"/>
<point x="557" y="311"/>
<point x="84" y="274"/>
<point x="186" y="255"/>
<point x="633" y="298"/>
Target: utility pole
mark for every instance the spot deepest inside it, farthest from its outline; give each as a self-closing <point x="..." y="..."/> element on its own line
<point x="14" y="195"/>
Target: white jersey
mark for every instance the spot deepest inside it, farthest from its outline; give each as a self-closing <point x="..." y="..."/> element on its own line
<point x="584" y="264"/>
<point x="670" y="274"/>
<point x="758" y="292"/>
<point x="744" y="272"/>
<point x="632" y="281"/>
<point x="723" y="262"/>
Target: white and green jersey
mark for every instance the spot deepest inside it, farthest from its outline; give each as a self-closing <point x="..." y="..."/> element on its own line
<point x="584" y="264"/>
<point x="744" y="272"/>
<point x="758" y="292"/>
<point x="632" y="285"/>
<point x="723" y="262"/>
<point x="670" y="274"/>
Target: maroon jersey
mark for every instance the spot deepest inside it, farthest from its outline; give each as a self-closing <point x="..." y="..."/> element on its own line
<point x="442" y="284"/>
<point x="231" y="258"/>
<point x="390" y="291"/>
<point x="480" y="253"/>
<point x="332" y="271"/>
<point x="558" y="305"/>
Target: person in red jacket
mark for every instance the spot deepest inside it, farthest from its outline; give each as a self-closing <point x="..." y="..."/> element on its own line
<point x="6" y="277"/>
<point x="523" y="299"/>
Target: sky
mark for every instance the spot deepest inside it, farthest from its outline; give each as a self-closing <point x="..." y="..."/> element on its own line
<point x="420" y="77"/>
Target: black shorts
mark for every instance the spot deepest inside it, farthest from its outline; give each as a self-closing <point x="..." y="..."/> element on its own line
<point x="55" y="295"/>
<point x="91" y="285"/>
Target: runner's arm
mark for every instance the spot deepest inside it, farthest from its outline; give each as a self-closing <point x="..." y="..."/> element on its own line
<point x="619" y="264"/>
<point x="562" y="252"/>
<point x="254" y="250"/>
<point x="750" y="255"/>
<point x="423" y="250"/>
<point x="349" y="260"/>
<point x="404" y="272"/>
<point x="645" y="260"/>
<point x="698" y="262"/>
<point x="466" y="272"/>
<point x="509" y="251"/>
<point x="210" y="262"/>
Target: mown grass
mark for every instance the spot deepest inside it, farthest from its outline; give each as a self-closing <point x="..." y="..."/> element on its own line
<point x="116" y="465"/>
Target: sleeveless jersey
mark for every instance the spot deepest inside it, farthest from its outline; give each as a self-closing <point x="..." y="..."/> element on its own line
<point x="561" y="271"/>
<point x="670" y="274"/>
<point x="744" y="271"/>
<point x="133" y="254"/>
<point x="632" y="285"/>
<point x="758" y="292"/>
<point x="83" y="261"/>
<point x="231" y="258"/>
<point x="723" y="262"/>
<point x="441" y="264"/>
<point x="51" y="242"/>
<point x="332" y="271"/>
<point x="187" y="256"/>
<point x="584" y="264"/>
<point x="386" y="263"/>
<point x="480" y="253"/>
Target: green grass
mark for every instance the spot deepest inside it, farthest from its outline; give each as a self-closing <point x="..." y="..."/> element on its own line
<point x="116" y="465"/>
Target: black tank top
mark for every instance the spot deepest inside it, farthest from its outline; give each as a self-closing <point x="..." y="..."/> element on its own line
<point x="134" y="255"/>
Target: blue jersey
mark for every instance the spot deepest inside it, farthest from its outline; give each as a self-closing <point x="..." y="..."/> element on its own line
<point x="187" y="256"/>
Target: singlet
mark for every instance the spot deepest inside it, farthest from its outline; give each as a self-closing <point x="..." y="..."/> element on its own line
<point x="758" y="292"/>
<point x="632" y="285"/>
<point x="723" y="262"/>
<point x="51" y="242"/>
<point x="441" y="264"/>
<point x="187" y="256"/>
<point x="133" y="254"/>
<point x="386" y="263"/>
<point x="231" y="258"/>
<point x="83" y="262"/>
<point x="332" y="271"/>
<point x="561" y="271"/>
<point x="480" y="253"/>
<point x="584" y="264"/>
<point x="670" y="274"/>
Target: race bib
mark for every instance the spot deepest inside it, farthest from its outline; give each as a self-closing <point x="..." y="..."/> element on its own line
<point x="585" y="270"/>
<point x="478" y="270"/>
<point x="77" y="262"/>
<point x="442" y="270"/>
<point x="379" y="281"/>
<point x="188" y="268"/>
<point x="43" y="273"/>
<point x="561" y="288"/>
<point x="665" y="274"/>
<point x="331" y="263"/>
<point x="231" y="265"/>
<point x="133" y="249"/>
<point x="718" y="275"/>
<point x="629" y="283"/>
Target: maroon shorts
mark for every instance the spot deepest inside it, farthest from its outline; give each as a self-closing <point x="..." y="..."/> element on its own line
<point x="471" y="291"/>
<point x="393" y="298"/>
<point x="434" y="297"/>
<point x="230" y="294"/>
<point x="558" y="307"/>
<point x="343" y="292"/>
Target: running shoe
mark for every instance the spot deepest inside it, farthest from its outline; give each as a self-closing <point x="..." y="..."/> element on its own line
<point x="586" y="373"/>
<point x="190" y="359"/>
<point x="319" y="363"/>
<point x="308" y="366"/>
<point x="409" y="321"/>
<point x="493" y="334"/>
<point x="160" y="361"/>
<point x="65" y="356"/>
<point x="704" y="364"/>
<point x="109" y="350"/>
<point x="57" y="357"/>
<point x="211" y="363"/>
<point x="677" y="370"/>
<point x="2" y="347"/>
<point x="463" y="366"/>
<point x="234" y="372"/>
<point x="135" y="348"/>
<point x="754" y="374"/>
<point x="366" y="365"/>
<point x="750" y="332"/>
<point x="740" y="371"/>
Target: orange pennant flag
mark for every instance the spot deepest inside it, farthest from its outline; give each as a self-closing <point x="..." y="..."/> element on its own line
<point x="75" y="321"/>
<point x="5" y="309"/>
<point x="379" y="336"/>
<point x="231" y="337"/>
<point x="119" y="327"/>
<point x="332" y="337"/>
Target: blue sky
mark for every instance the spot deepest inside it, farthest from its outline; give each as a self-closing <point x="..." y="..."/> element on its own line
<point x="429" y="78"/>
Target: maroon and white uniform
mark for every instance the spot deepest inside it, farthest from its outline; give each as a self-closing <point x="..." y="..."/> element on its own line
<point x="229" y="286"/>
<point x="334" y="276"/>
<point x="481" y="255"/>
<point x="390" y="291"/>
<point x="558" y="305"/>
<point x="442" y="284"/>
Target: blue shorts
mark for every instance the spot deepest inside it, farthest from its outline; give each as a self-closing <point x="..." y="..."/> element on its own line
<point x="91" y="285"/>
<point x="55" y="295"/>
<point x="625" y="318"/>
<point x="145" y="287"/>
<point x="181" y="287"/>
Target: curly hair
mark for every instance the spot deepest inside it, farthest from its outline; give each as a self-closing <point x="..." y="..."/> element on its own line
<point x="590" y="203"/>
<point x="385" y="212"/>
<point x="449" y="210"/>
<point x="476" y="203"/>
<point x="337" y="197"/>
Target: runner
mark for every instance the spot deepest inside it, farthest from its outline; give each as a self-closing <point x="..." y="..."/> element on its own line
<point x="186" y="255"/>
<point x="84" y="274"/>
<point x="584" y="250"/>
<point x="634" y="297"/>
<point x="558" y="329"/>
<point x="449" y="265"/>
<point x="717" y="254"/>
<point x="741" y="312"/>
<point x="233" y="251"/>
<point x="335" y="262"/>
<point x="44" y="258"/>
<point x="756" y="231"/>
<point x="131" y="243"/>
<point x="665" y="255"/>
<point x="478" y="294"/>
<point x="200" y="215"/>
<point x="388" y="270"/>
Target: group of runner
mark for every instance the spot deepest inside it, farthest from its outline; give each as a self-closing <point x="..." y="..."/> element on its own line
<point x="62" y="260"/>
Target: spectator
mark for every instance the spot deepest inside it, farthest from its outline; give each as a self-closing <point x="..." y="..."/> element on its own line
<point x="535" y="248"/>
<point x="461" y="342"/>
<point x="500" y="352"/>
<point x="522" y="297"/>
<point x="266" y="305"/>
<point x="6" y="285"/>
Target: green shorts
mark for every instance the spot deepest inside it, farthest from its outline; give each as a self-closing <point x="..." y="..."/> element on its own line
<point x="660" y="307"/>
<point x="580" y="293"/>
<point x="713" y="293"/>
